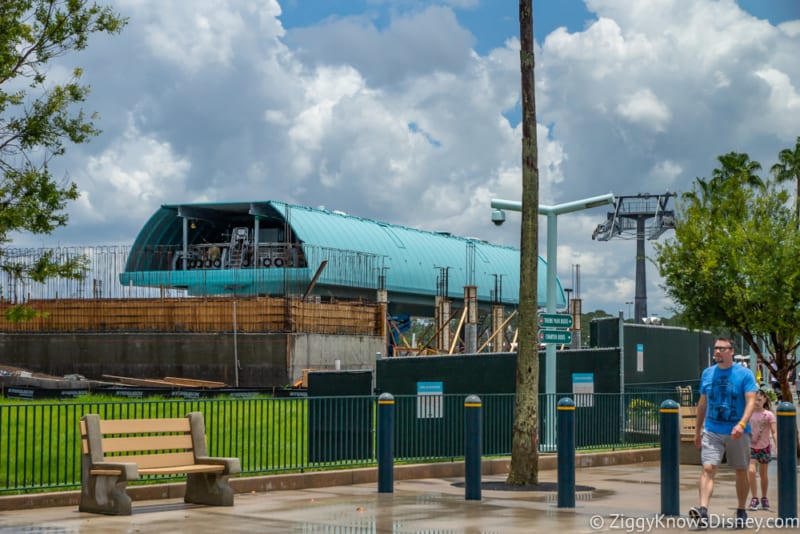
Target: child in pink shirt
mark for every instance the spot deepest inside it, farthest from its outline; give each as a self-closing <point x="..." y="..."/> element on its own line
<point x="762" y="424"/>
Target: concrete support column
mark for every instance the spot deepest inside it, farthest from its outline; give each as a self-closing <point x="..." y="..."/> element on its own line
<point x="576" y="309"/>
<point x="442" y="324"/>
<point x="498" y="339"/>
<point x="471" y="325"/>
<point x="383" y="319"/>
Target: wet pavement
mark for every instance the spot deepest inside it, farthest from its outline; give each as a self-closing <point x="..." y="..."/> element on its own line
<point x="624" y="498"/>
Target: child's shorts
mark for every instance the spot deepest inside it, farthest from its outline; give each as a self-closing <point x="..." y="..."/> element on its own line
<point x="762" y="456"/>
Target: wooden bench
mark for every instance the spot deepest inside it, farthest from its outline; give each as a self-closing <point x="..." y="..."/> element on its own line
<point x="688" y="452"/>
<point x="114" y="452"/>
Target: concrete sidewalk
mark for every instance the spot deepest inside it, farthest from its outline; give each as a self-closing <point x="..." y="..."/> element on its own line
<point x="625" y="498"/>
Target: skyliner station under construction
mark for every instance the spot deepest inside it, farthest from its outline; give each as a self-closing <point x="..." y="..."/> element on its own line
<point x="253" y="293"/>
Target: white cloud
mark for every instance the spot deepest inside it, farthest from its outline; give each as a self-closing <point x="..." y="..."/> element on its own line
<point x="783" y="103"/>
<point x="643" y="107"/>
<point x="203" y="33"/>
<point x="126" y="180"/>
<point x="792" y="28"/>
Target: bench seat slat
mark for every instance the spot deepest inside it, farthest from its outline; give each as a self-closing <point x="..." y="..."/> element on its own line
<point x="142" y="426"/>
<point x="147" y="443"/>
<point x="174" y="470"/>
<point x="154" y="461"/>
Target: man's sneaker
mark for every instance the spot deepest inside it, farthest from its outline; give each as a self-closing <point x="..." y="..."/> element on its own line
<point x="699" y="515"/>
<point x="764" y="503"/>
<point x="741" y="518"/>
<point x="754" y="503"/>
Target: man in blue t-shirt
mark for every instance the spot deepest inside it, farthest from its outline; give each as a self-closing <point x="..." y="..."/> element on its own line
<point x="727" y="398"/>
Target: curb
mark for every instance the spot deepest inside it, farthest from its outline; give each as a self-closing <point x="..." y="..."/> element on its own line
<point x="322" y="479"/>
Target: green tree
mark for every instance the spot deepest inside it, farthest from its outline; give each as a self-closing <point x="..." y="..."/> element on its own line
<point x="38" y="118"/>
<point x="787" y="169"/>
<point x="732" y="265"/>
<point x="524" y="468"/>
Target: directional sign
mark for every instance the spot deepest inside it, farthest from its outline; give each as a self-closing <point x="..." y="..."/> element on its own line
<point x="555" y="320"/>
<point x="555" y="336"/>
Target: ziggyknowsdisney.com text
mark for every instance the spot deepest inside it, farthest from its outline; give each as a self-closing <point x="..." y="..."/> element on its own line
<point x="657" y="522"/>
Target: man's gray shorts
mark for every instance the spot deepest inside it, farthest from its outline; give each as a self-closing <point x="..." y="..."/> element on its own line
<point x="737" y="451"/>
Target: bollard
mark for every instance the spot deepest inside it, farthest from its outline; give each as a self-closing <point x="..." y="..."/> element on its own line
<point x="565" y="426"/>
<point x="473" y="436"/>
<point x="787" y="460"/>
<point x="386" y="443"/>
<point x="670" y="458"/>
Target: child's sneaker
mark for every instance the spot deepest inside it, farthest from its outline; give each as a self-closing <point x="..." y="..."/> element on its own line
<point x="741" y="518"/>
<point x="754" y="503"/>
<point x="764" y="503"/>
<point x="699" y="516"/>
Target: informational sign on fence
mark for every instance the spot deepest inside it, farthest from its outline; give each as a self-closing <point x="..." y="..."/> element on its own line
<point x="583" y="388"/>
<point x="430" y="400"/>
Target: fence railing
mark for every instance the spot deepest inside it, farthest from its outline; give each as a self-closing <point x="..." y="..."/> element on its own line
<point x="40" y="442"/>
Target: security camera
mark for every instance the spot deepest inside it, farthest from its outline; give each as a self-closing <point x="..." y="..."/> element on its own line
<point x="498" y="217"/>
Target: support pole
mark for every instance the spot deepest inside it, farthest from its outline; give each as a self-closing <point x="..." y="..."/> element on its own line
<point x="386" y="443"/>
<point x="472" y="447"/>
<point x="566" y="453"/>
<point x="670" y="462"/>
<point x="787" y="460"/>
<point x="550" y="349"/>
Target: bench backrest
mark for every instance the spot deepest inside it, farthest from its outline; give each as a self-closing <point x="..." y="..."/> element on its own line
<point x="688" y="416"/>
<point x="150" y="443"/>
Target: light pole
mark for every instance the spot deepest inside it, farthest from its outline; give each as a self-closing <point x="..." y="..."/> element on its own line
<point x="552" y="212"/>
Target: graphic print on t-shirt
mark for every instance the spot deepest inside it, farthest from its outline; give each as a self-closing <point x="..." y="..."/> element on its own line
<point x="722" y="398"/>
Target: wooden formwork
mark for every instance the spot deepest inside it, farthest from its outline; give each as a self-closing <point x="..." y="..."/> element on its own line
<point x="206" y="314"/>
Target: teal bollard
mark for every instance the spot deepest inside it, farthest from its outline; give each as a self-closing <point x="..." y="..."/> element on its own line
<point x="670" y="458"/>
<point x="386" y="443"/>
<point x="473" y="449"/>
<point x="565" y="425"/>
<point x="787" y="460"/>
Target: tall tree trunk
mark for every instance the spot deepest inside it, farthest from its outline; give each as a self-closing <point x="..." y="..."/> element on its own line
<point x="524" y="469"/>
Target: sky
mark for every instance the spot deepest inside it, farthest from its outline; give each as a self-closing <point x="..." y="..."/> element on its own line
<point x="408" y="111"/>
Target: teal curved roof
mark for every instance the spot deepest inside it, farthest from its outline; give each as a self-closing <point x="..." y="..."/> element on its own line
<point x="411" y="260"/>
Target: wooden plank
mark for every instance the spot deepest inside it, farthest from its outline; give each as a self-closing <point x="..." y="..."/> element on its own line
<point x="176" y="470"/>
<point x="137" y="381"/>
<point x="194" y="468"/>
<point x="143" y="426"/>
<point x="151" y="461"/>
<point x="147" y="443"/>
<point x="193" y="382"/>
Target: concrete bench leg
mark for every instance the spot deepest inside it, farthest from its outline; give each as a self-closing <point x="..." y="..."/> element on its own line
<point x="105" y="495"/>
<point x="208" y="488"/>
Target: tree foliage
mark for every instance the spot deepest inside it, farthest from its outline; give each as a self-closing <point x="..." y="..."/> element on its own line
<point x="732" y="265"/>
<point x="39" y="117"/>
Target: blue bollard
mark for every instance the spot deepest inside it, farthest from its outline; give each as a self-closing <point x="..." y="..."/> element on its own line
<point x="473" y="436"/>
<point x="787" y="460"/>
<point x="565" y="426"/>
<point x="670" y="458"/>
<point x="386" y="443"/>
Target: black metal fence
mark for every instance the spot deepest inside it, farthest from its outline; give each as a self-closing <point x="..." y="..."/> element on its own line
<point x="40" y="441"/>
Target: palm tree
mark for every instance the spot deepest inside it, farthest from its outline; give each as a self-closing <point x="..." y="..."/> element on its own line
<point x="524" y="468"/>
<point x="788" y="168"/>
<point x="739" y="165"/>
